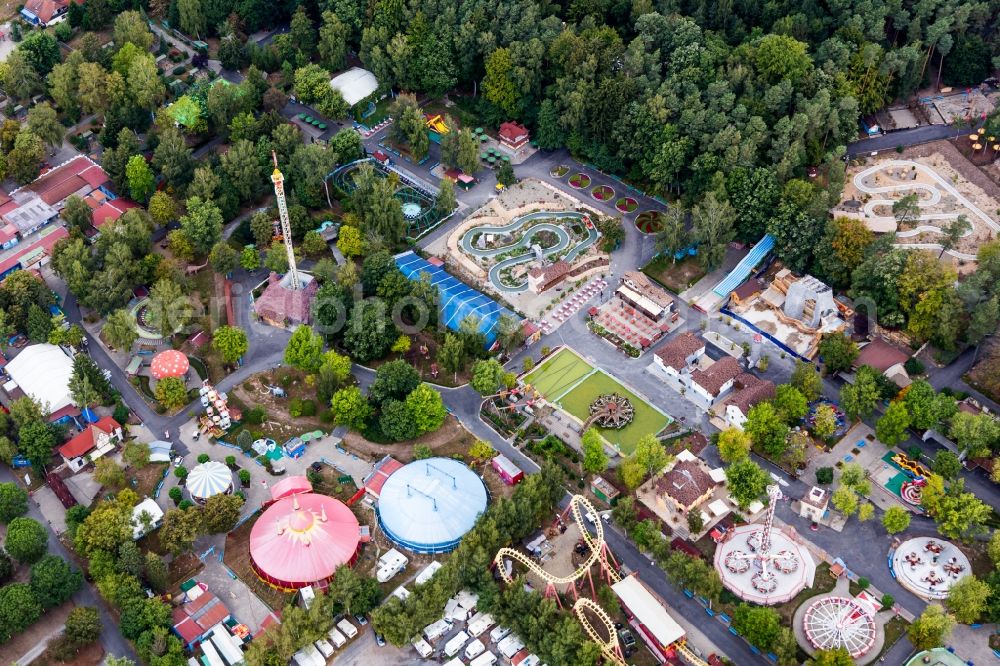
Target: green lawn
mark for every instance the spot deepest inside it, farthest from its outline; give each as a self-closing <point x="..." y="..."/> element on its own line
<point x="555" y="379"/>
<point x="558" y="374"/>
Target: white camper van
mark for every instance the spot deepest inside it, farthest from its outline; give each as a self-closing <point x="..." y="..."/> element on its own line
<point x="455" y="643"/>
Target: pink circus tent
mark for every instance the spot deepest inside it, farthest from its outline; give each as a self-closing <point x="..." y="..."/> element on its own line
<point x="302" y="539"/>
<point x="293" y="485"/>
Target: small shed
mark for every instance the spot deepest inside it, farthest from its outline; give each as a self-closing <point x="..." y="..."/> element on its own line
<point x="508" y="471"/>
<point x="603" y="490"/>
<point x="294" y="447"/>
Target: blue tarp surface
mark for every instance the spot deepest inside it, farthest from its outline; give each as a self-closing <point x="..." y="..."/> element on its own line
<point x="457" y="299"/>
<point x="745" y="267"/>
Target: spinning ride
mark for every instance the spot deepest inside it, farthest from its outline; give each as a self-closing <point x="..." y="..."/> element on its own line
<point x="764" y="564"/>
<point x="610" y="411"/>
<point x="839" y="622"/>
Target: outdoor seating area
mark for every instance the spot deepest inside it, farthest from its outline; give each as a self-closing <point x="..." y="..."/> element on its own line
<point x="572" y="305"/>
<point x="628" y="324"/>
<point x="309" y="120"/>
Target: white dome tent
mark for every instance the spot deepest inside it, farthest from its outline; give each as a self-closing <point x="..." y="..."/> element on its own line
<point x="209" y="479"/>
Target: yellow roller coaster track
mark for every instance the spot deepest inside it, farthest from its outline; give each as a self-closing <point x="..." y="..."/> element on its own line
<point x="689" y="656"/>
<point x="595" y="543"/>
<point x="609" y="647"/>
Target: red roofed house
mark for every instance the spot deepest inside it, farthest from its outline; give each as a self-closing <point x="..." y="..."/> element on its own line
<point x="513" y="135"/>
<point x="750" y="390"/>
<point x="33" y="254"/>
<point x="80" y="175"/>
<point x="45" y="12"/>
<point x="383" y="468"/>
<point x="195" y="619"/>
<point x="541" y="278"/>
<point x="715" y="380"/>
<point x="679" y="352"/>
<point x="111" y="210"/>
<point x="887" y="359"/>
<point x="80" y="450"/>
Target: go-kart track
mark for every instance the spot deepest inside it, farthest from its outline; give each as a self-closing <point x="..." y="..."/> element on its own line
<point x="933" y="190"/>
<point x="562" y="243"/>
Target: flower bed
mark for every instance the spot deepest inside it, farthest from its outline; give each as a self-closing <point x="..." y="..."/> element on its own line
<point x="626" y="204"/>
<point x="579" y="181"/>
<point x="602" y="193"/>
<point x="559" y="171"/>
<point x="649" y="222"/>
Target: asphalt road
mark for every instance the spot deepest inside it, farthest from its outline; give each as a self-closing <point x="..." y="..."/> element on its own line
<point x="111" y="638"/>
<point x="908" y="137"/>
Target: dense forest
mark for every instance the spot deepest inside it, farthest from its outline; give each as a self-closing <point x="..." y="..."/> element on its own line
<point x="682" y="98"/>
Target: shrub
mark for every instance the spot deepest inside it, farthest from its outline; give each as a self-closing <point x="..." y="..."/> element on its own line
<point x="203" y="458"/>
<point x="913" y="366"/>
<point x="255" y="415"/>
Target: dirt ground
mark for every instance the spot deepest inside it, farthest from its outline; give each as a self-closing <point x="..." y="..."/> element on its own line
<point x="50" y="623"/>
<point x="450" y="439"/>
<point x="955" y="167"/>
<point x="91" y="655"/>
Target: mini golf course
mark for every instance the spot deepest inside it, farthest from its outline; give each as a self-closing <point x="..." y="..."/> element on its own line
<point x="579" y="181"/>
<point x="602" y="193"/>
<point x="559" y="171"/>
<point x="626" y="204"/>
<point x="649" y="222"/>
<point x="568" y="381"/>
<point x="524" y="240"/>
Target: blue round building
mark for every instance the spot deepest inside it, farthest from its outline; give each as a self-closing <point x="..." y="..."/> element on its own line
<point x="429" y="505"/>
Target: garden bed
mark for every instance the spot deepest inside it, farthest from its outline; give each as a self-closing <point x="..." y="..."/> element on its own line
<point x="579" y="181"/>
<point x="559" y="171"/>
<point x="626" y="204"/>
<point x="602" y="193"/>
<point x="649" y="222"/>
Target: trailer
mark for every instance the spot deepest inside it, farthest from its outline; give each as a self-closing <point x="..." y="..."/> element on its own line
<point x="510" y="646"/>
<point x="434" y="631"/>
<point x="347" y="628"/>
<point x="336" y="638"/>
<point x="485" y="659"/>
<point x="474" y="649"/>
<point x="455" y="643"/>
<point x="499" y="633"/>
<point x="423" y="648"/>
<point x="479" y="623"/>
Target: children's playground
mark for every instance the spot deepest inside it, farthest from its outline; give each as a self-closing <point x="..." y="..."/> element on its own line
<point x="417" y="202"/>
<point x="943" y="195"/>
<point x="568" y="382"/>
